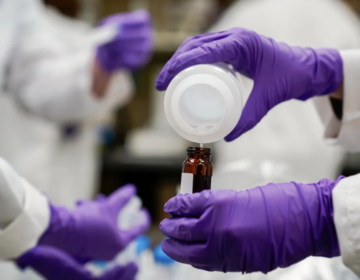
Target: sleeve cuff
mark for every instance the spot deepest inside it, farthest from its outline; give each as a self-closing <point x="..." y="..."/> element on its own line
<point x="347" y="131"/>
<point x="346" y="197"/>
<point x="24" y="232"/>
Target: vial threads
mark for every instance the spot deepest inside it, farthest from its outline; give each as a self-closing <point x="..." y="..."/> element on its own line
<point x="197" y="170"/>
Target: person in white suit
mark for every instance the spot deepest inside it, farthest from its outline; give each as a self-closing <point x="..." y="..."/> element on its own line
<point x="290" y="133"/>
<point x="51" y="77"/>
<point x="294" y="140"/>
<point x="320" y="23"/>
<point x="49" y="127"/>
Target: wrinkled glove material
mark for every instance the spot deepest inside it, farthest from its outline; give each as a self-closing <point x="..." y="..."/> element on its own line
<point x="260" y="229"/>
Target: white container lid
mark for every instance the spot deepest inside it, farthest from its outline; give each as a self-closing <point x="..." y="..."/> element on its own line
<point x="203" y="103"/>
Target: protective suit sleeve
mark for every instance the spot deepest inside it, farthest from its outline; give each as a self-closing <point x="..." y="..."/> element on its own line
<point x="24" y="213"/>
<point x="344" y="132"/>
<point x="53" y="80"/>
<point x="119" y="92"/>
<point x="346" y="197"/>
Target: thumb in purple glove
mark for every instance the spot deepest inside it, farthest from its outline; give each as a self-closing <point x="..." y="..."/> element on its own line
<point x="55" y="264"/>
<point x="260" y="229"/>
<point x="91" y="230"/>
<point x="280" y="72"/>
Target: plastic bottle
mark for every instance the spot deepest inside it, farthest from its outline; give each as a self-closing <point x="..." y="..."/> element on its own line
<point x="203" y="103"/>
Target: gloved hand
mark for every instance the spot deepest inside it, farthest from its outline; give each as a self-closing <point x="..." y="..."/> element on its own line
<point x="131" y="48"/>
<point x="55" y="264"/>
<point x="280" y="72"/>
<point x="90" y="230"/>
<point x="260" y="229"/>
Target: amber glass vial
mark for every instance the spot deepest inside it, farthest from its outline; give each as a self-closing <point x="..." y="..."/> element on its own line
<point x="197" y="170"/>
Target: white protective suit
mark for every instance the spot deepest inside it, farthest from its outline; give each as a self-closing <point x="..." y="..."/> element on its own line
<point x="24" y="212"/>
<point x="291" y="133"/>
<point x="45" y="81"/>
<point x="34" y="110"/>
<point x="346" y="195"/>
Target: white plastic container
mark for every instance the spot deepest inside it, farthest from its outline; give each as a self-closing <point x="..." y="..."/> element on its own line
<point x="203" y="103"/>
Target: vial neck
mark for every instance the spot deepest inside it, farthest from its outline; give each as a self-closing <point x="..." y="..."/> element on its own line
<point x="199" y="153"/>
<point x="199" y="156"/>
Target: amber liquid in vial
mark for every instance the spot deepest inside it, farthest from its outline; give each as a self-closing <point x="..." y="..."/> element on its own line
<point x="197" y="170"/>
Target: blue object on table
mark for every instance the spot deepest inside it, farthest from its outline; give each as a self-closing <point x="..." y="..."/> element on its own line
<point x="101" y="264"/>
<point x="143" y="243"/>
<point x="161" y="258"/>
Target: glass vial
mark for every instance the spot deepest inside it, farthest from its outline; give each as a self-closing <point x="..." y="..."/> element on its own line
<point x="197" y="170"/>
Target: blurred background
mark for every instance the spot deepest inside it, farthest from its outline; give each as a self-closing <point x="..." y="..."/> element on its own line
<point x="141" y="148"/>
<point x="138" y="146"/>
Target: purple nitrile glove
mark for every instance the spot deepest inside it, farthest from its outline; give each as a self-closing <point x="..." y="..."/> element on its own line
<point x="91" y="229"/>
<point x="260" y="229"/>
<point x="132" y="46"/>
<point x="55" y="264"/>
<point x="280" y="72"/>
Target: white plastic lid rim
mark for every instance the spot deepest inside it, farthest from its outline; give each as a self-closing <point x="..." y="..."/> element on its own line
<point x="203" y="103"/>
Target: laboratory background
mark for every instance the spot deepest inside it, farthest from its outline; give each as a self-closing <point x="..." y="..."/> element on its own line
<point x="139" y="145"/>
<point x="129" y="140"/>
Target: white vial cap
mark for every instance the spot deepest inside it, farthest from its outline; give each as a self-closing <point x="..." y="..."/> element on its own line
<point x="203" y="103"/>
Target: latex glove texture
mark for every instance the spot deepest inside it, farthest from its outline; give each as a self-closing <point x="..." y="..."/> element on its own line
<point x="54" y="264"/>
<point x="260" y="229"/>
<point x="91" y="229"/>
<point x="132" y="46"/>
<point x="280" y="72"/>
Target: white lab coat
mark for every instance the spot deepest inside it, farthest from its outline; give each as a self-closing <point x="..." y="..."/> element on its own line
<point x="292" y="132"/>
<point x="346" y="195"/>
<point x="24" y="212"/>
<point x="34" y="111"/>
<point x="44" y="82"/>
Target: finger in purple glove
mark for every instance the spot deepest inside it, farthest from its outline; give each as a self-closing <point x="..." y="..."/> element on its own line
<point x="260" y="229"/>
<point x="91" y="229"/>
<point x="55" y="264"/>
<point x="132" y="46"/>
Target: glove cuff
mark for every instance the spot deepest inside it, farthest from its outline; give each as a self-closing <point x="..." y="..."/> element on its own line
<point x="326" y="241"/>
<point x="327" y="61"/>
